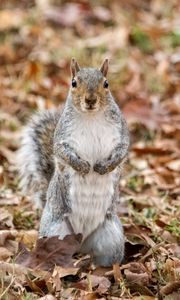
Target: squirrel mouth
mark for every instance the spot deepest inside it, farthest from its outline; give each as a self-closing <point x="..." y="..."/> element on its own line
<point x="90" y="107"/>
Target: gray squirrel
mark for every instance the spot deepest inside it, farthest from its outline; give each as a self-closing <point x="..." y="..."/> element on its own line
<point x="71" y="162"/>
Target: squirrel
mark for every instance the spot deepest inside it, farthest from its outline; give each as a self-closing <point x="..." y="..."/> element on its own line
<point x="71" y="161"/>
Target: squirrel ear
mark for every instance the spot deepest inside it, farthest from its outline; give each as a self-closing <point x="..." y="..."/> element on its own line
<point x="104" y="67"/>
<point x="74" y="67"/>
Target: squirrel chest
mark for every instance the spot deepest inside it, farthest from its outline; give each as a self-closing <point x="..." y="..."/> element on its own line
<point x="91" y="195"/>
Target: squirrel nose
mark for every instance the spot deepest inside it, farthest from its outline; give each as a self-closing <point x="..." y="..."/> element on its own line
<point x="91" y="101"/>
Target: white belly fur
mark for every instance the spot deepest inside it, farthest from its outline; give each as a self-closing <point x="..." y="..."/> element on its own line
<point x="91" y="195"/>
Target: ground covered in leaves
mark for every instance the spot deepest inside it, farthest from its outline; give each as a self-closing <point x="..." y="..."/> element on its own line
<point x="142" y="40"/>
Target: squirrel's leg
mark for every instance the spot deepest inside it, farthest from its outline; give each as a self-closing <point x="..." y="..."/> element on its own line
<point x="39" y="193"/>
<point x="106" y="243"/>
<point x="66" y="153"/>
<point x="53" y="220"/>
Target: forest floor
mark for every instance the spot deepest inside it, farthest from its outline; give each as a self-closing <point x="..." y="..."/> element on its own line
<point x="142" y="40"/>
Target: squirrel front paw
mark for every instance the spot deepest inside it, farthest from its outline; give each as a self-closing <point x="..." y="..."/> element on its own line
<point x="80" y="165"/>
<point x="85" y="167"/>
<point x="101" y="168"/>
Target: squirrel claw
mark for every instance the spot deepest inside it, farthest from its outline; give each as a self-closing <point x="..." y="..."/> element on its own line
<point x="100" y="168"/>
<point x="85" y="167"/>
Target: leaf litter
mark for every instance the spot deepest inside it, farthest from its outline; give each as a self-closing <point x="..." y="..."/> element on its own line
<point x="37" y="40"/>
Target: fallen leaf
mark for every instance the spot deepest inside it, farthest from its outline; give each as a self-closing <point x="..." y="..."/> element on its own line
<point x="9" y="155"/>
<point x="172" y="269"/>
<point x="7" y="234"/>
<point x="62" y="272"/>
<point x="56" y="279"/>
<point x="137" y="273"/>
<point x="6" y="220"/>
<point x="89" y="296"/>
<point x="173" y="296"/>
<point x="9" y="200"/>
<point x="49" y="252"/>
<point x="100" y="284"/>
<point x="28" y="237"/>
<point x="34" y="285"/>
<point x="5" y="253"/>
<point x="140" y="289"/>
<point x="170" y="287"/>
<point x="12" y="268"/>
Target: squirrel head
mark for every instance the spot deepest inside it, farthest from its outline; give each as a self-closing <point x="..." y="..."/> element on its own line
<point x="89" y="87"/>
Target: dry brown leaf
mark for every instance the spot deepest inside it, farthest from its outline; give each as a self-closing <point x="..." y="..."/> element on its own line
<point x="151" y="251"/>
<point x="9" y="200"/>
<point x="50" y="252"/>
<point x="167" y="236"/>
<point x="28" y="237"/>
<point x="6" y="220"/>
<point x="5" y="253"/>
<point x="103" y="284"/>
<point x="102" y="271"/>
<point x="62" y="272"/>
<point x="174" y="249"/>
<point x="89" y="296"/>
<point x="9" y="155"/>
<point x="137" y="273"/>
<point x="173" y="296"/>
<point x="172" y="269"/>
<point x="99" y="283"/>
<point x="34" y="285"/>
<point x="170" y="288"/>
<point x="56" y="280"/>
<point x="12" y="268"/>
<point x="140" y="289"/>
<point x="7" y="234"/>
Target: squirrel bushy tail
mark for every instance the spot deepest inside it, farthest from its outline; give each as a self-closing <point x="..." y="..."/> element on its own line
<point x="35" y="157"/>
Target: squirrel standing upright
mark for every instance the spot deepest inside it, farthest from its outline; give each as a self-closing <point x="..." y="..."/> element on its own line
<point x="71" y="161"/>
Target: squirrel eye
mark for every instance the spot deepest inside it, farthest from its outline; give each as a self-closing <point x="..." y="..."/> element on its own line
<point x="74" y="83"/>
<point x="106" y="84"/>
